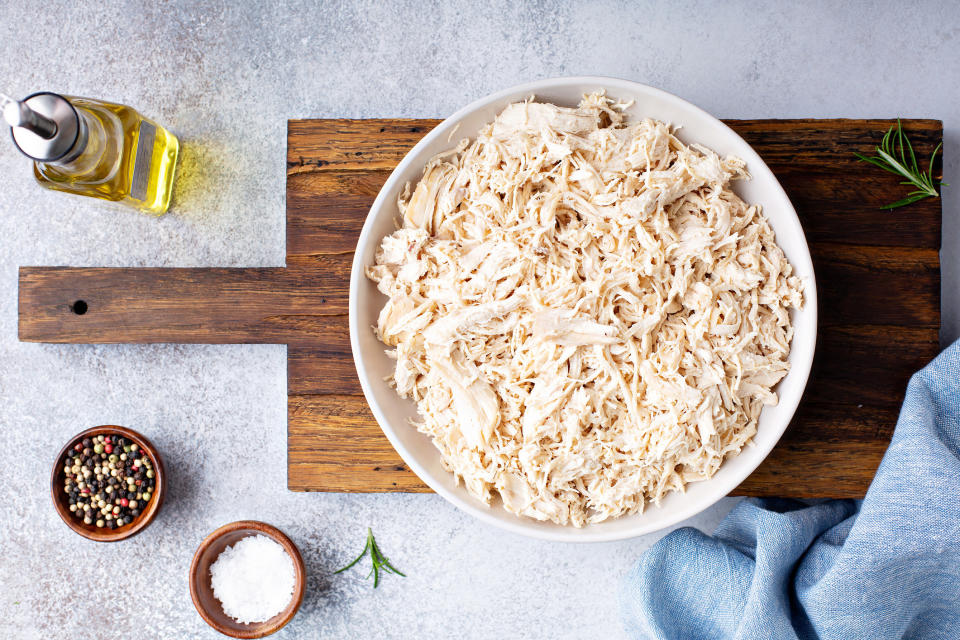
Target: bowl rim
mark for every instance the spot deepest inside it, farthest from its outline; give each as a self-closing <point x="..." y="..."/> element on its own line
<point x="143" y="520"/>
<point x="254" y="629"/>
<point x="800" y="370"/>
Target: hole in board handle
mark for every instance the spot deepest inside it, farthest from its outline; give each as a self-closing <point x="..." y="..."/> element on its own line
<point x="79" y="307"/>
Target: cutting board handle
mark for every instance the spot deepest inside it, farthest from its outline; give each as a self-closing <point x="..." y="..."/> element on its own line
<point x="201" y="305"/>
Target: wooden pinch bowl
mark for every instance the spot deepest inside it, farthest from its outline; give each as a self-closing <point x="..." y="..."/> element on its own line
<point x="201" y="591"/>
<point x="103" y="534"/>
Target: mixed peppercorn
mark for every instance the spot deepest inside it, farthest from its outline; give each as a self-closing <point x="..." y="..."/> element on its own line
<point x="109" y="480"/>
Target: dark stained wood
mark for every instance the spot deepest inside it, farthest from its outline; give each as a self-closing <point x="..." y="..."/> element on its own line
<point x="351" y="144"/>
<point x="824" y="206"/>
<point x="806" y="469"/>
<point x="878" y="275"/>
<point x="877" y="285"/>
<point x="200" y="305"/>
<point x="884" y="355"/>
<point x="837" y="196"/>
<point x="812" y="141"/>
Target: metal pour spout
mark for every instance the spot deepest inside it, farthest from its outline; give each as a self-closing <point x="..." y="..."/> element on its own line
<point x="18" y="114"/>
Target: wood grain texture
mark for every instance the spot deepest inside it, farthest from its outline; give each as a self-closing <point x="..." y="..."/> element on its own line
<point x="351" y="144"/>
<point x="878" y="278"/>
<point x="321" y="427"/>
<point x="200" y="305"/>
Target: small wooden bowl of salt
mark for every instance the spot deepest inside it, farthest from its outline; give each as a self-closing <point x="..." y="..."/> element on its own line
<point x="247" y="579"/>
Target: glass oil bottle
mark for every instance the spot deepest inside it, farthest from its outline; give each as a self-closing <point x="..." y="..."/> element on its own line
<point x="95" y="148"/>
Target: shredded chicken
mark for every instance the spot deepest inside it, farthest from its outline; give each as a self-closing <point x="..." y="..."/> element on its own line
<point x="585" y="313"/>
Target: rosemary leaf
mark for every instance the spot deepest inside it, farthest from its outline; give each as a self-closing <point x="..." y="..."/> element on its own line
<point x="932" y="156"/>
<point x="895" y="155"/>
<point x="378" y="561"/>
<point x="905" y="201"/>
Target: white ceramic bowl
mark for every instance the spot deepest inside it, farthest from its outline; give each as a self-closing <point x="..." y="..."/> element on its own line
<point x="393" y="413"/>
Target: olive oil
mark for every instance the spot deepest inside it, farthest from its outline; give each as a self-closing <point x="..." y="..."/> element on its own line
<point x="98" y="149"/>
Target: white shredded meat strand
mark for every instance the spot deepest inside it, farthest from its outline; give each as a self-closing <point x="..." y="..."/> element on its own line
<point x="585" y="313"/>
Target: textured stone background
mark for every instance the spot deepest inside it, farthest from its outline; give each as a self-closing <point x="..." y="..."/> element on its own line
<point x="225" y="79"/>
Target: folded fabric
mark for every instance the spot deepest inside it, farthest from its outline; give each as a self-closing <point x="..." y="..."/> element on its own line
<point x="884" y="567"/>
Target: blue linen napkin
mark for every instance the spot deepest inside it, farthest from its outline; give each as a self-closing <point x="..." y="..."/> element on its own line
<point x="884" y="567"/>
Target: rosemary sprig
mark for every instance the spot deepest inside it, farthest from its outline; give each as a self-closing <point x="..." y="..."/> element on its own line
<point x="895" y="154"/>
<point x="379" y="560"/>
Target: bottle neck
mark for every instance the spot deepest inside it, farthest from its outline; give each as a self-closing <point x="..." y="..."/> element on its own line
<point x="84" y="124"/>
<point x="95" y="157"/>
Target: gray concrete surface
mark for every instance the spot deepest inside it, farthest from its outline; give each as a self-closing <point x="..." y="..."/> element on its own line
<point x="225" y="77"/>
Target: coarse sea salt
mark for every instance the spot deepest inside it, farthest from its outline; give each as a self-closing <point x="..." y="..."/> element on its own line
<point x="253" y="579"/>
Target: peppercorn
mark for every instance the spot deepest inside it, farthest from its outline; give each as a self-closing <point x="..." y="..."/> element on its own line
<point x="111" y="484"/>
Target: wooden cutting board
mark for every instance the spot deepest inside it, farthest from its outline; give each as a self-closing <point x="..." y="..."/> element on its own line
<point x="878" y="275"/>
